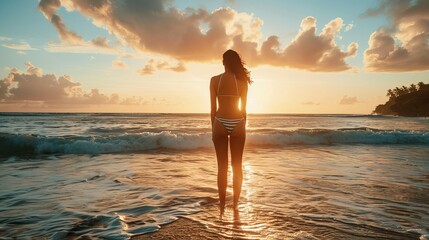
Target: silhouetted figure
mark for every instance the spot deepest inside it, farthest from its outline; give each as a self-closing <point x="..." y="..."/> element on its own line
<point x="228" y="118"/>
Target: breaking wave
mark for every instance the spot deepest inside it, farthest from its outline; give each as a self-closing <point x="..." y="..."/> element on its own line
<point x="21" y="144"/>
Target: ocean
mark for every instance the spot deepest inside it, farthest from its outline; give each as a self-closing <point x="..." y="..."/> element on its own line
<point x="115" y="176"/>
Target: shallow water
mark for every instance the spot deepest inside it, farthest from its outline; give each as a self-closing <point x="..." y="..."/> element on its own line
<point x="340" y="177"/>
<point x="334" y="192"/>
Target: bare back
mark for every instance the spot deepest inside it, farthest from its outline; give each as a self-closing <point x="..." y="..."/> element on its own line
<point x="229" y="91"/>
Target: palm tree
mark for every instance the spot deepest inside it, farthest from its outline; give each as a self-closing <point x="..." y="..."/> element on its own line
<point x="397" y="91"/>
<point x="413" y="88"/>
<point x="405" y="90"/>
<point x="390" y="93"/>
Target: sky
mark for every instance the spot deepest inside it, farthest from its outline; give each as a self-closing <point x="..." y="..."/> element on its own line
<point x="310" y="56"/>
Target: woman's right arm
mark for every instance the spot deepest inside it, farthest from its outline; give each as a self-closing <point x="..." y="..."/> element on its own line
<point x="213" y="104"/>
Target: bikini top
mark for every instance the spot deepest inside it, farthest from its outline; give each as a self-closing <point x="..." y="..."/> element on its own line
<point x="227" y="95"/>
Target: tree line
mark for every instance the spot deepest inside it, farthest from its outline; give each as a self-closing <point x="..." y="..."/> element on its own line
<point x="412" y="101"/>
<point x="399" y="91"/>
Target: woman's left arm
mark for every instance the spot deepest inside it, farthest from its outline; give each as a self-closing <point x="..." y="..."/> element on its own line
<point x="213" y="103"/>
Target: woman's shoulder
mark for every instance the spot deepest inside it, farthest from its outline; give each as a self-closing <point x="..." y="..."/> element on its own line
<point x="215" y="79"/>
<point x="216" y="76"/>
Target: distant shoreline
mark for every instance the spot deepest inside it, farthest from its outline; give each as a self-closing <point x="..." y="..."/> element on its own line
<point x="412" y="101"/>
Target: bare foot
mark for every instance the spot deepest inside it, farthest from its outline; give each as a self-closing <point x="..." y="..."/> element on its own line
<point x="221" y="209"/>
<point x="235" y="205"/>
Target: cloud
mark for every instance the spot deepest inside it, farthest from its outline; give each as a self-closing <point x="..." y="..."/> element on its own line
<point x="70" y="40"/>
<point x="101" y="42"/>
<point x="5" y="38"/>
<point x="119" y="64"/>
<point x="23" y="46"/>
<point x="349" y="27"/>
<point x="403" y="46"/>
<point x="133" y="101"/>
<point x="346" y="100"/>
<point x="49" y="9"/>
<point x="311" y="103"/>
<point x="152" y="65"/>
<point x="148" y="69"/>
<point x="307" y="51"/>
<point x="31" y="69"/>
<point x="32" y="86"/>
<point x="158" y="27"/>
<point x="85" y="47"/>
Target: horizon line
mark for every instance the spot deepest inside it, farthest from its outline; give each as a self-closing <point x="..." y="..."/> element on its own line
<point x="255" y="113"/>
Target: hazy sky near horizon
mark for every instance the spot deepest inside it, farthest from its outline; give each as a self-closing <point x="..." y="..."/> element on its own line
<point x="310" y="56"/>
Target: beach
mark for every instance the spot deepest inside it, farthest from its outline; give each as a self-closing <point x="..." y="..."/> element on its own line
<point x="153" y="176"/>
<point x="182" y="228"/>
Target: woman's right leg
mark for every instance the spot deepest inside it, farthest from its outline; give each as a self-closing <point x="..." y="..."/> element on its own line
<point x="220" y="140"/>
<point x="237" y="140"/>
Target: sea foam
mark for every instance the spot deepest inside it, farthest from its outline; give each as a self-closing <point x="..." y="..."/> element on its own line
<point x="21" y="144"/>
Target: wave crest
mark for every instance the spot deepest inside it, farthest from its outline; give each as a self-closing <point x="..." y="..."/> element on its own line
<point x="19" y="144"/>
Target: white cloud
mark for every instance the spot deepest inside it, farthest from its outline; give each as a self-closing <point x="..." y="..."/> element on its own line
<point x="349" y="27"/>
<point x="23" y="46"/>
<point x="79" y="48"/>
<point x="403" y="46"/>
<point x="5" y="38"/>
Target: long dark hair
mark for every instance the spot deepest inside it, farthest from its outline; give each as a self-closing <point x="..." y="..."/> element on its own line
<point x="233" y="62"/>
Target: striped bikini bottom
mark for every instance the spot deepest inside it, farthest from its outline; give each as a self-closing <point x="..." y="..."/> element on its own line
<point x="229" y="124"/>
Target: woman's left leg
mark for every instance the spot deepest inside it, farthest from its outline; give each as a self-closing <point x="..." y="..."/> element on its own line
<point x="237" y="140"/>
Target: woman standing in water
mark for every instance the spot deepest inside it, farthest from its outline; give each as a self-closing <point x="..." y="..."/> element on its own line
<point x="228" y="118"/>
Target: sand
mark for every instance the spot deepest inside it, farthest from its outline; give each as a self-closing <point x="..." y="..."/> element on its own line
<point x="182" y="228"/>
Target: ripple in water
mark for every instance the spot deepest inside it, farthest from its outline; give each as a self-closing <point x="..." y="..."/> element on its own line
<point x="304" y="191"/>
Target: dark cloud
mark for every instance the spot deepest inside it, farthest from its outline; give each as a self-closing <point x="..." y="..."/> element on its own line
<point x="403" y="46"/>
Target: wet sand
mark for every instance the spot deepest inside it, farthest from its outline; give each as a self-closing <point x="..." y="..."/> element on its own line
<point x="183" y="228"/>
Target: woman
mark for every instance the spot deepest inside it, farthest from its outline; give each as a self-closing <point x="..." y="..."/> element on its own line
<point x="229" y="122"/>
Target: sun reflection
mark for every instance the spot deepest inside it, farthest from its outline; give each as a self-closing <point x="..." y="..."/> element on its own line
<point x="242" y="222"/>
<point x="247" y="178"/>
